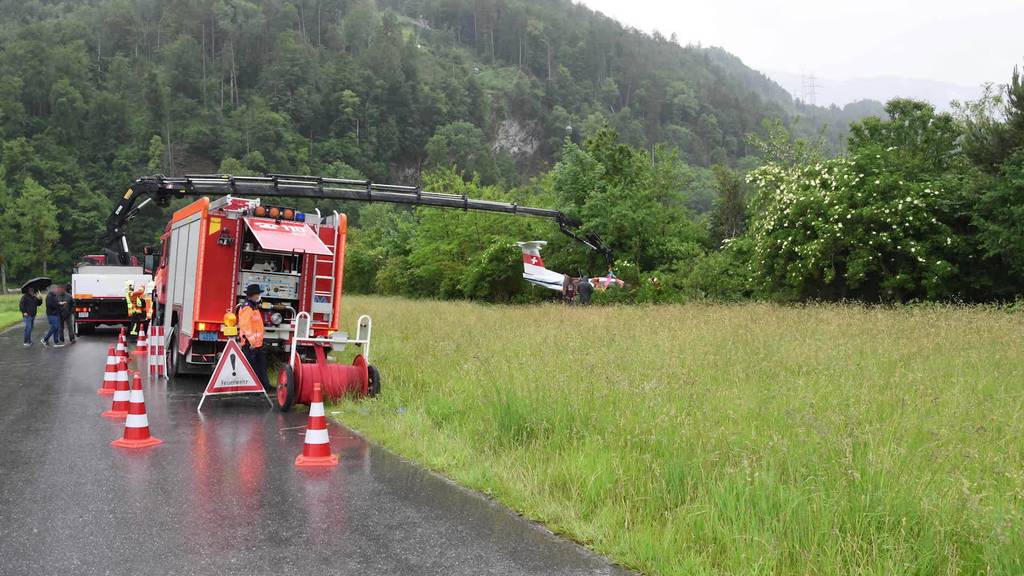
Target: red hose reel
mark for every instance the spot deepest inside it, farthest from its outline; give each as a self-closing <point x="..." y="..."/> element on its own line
<point x="295" y="380"/>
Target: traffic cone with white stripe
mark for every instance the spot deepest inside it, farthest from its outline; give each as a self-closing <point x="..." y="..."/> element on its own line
<point x="119" y="406"/>
<point x="122" y="346"/>
<point x="317" y="449"/>
<point x="136" y="424"/>
<point x="140" y="343"/>
<point x="110" y="372"/>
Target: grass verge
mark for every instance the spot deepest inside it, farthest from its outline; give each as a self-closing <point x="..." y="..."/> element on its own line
<point x="9" y="313"/>
<point x="700" y="439"/>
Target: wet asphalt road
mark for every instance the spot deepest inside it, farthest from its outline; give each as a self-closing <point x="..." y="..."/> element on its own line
<point x="221" y="495"/>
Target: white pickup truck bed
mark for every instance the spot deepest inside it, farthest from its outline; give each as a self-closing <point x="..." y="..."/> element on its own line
<point x="106" y="281"/>
<point x="99" y="293"/>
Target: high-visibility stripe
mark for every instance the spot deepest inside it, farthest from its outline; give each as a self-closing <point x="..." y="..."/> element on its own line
<point x="136" y="421"/>
<point x="316" y="436"/>
<point x="122" y="396"/>
<point x="316" y="409"/>
<point x="136" y="397"/>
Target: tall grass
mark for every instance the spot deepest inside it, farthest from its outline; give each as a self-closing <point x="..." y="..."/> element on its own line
<point x="701" y="439"/>
<point x="9" y="312"/>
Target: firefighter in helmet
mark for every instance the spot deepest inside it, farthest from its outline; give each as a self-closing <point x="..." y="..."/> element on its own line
<point x="133" y="297"/>
<point x="250" y="327"/>
<point x="138" y="310"/>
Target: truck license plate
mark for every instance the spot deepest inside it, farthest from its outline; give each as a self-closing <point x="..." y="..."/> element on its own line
<point x="83" y="314"/>
<point x="208" y="336"/>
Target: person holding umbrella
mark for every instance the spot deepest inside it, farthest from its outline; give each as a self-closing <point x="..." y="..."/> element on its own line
<point x="29" y="304"/>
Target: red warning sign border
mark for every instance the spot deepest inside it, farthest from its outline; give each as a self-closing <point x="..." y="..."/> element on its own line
<point x="256" y="388"/>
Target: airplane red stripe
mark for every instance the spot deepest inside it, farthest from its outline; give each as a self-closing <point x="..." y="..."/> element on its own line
<point x="533" y="260"/>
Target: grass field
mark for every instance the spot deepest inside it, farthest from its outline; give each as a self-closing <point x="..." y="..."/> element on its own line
<point x="9" y="314"/>
<point x="701" y="439"/>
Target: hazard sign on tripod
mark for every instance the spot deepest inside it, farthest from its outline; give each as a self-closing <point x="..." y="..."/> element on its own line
<point x="233" y="375"/>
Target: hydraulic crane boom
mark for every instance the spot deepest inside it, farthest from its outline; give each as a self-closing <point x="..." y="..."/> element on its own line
<point x="162" y="189"/>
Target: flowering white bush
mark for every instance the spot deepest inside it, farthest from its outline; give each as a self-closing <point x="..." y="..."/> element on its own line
<point x="850" y="227"/>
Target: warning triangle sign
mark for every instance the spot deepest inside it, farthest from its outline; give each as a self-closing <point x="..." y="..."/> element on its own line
<point x="233" y="375"/>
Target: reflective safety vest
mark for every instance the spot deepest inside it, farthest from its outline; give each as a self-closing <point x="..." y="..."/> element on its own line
<point x="136" y="304"/>
<point x="250" y="324"/>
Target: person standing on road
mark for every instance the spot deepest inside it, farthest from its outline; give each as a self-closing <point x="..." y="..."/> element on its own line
<point x="67" y="314"/>
<point x="29" y="305"/>
<point x="136" y="315"/>
<point x="250" y="327"/>
<point x="53" y="317"/>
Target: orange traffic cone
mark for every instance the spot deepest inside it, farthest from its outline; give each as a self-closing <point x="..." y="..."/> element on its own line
<point x="123" y="374"/>
<point x="140" y="343"/>
<point x="317" y="449"/>
<point x="119" y="406"/>
<point x="122" y="346"/>
<point x="110" y="372"/>
<point x="136" y="424"/>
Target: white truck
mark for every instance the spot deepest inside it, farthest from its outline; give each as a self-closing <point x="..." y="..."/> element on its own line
<point x="99" y="292"/>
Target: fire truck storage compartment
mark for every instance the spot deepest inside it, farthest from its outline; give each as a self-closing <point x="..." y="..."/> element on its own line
<point x="183" y="260"/>
<point x="273" y="256"/>
<point x="279" y="274"/>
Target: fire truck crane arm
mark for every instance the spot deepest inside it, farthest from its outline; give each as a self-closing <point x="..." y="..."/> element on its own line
<point x="293" y="186"/>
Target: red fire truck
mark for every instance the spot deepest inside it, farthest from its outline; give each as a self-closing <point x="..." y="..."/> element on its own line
<point x="213" y="249"/>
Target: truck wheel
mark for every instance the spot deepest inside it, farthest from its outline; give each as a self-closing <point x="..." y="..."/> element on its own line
<point x="286" y="388"/>
<point x="171" y="359"/>
<point x="374" y="385"/>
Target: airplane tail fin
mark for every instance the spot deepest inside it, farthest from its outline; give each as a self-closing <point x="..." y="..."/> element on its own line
<point x="531" y="254"/>
<point x="533" y="266"/>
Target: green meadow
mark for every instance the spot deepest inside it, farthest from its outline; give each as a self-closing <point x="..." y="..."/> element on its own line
<point x="721" y="439"/>
<point x="9" y="313"/>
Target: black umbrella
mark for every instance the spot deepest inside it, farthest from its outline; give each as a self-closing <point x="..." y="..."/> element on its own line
<point x="37" y="284"/>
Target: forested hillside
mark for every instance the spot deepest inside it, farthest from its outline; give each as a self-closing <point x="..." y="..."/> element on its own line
<point x="706" y="178"/>
<point x="95" y="93"/>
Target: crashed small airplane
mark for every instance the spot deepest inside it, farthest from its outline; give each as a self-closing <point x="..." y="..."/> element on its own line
<point x="534" y="272"/>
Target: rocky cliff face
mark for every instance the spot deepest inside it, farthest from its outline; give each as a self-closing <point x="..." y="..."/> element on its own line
<point x="518" y="139"/>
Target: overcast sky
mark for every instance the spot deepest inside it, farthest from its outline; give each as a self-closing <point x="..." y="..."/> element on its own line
<point x="964" y="42"/>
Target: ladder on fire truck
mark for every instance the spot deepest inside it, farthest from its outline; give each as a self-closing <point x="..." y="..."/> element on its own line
<point x="323" y="272"/>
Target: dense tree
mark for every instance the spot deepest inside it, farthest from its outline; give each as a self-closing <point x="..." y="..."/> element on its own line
<point x="31" y="222"/>
<point x="636" y="206"/>
<point x="880" y="224"/>
<point x="729" y="219"/>
<point x="463" y="146"/>
<point x="993" y="126"/>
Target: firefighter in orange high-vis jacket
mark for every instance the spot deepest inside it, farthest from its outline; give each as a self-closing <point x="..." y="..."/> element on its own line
<point x="136" y="307"/>
<point x="250" y="328"/>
